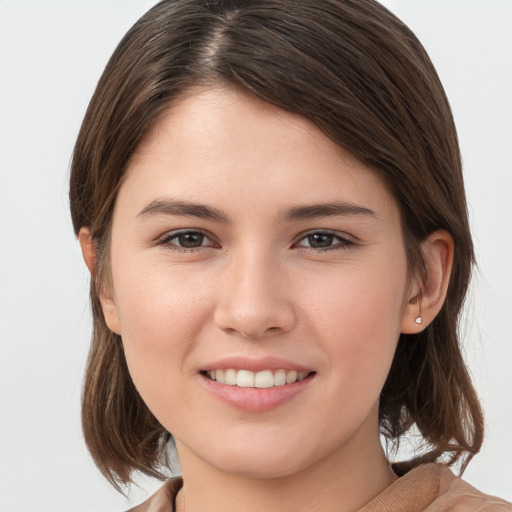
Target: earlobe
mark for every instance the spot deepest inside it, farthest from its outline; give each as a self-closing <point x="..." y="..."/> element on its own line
<point x="427" y="298"/>
<point x="108" y="304"/>
<point x="88" y="251"/>
<point x="110" y="314"/>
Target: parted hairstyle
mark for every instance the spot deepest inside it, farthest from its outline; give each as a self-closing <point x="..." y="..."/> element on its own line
<point x="358" y="73"/>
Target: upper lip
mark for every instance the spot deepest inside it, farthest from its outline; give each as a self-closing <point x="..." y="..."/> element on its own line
<point x="254" y="364"/>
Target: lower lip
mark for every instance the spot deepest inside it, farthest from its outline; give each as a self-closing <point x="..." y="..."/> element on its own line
<point x="256" y="399"/>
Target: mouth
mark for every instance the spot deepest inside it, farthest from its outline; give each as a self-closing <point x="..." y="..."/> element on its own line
<point x="260" y="380"/>
<point x="256" y="385"/>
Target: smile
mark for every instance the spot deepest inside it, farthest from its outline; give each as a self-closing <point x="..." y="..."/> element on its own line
<point x="256" y="385"/>
<point x="261" y="380"/>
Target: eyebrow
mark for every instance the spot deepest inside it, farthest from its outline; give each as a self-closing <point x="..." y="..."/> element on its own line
<point x="332" y="209"/>
<point x="183" y="209"/>
<point x="201" y="211"/>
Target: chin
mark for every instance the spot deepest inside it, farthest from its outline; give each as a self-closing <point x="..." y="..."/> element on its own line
<point x="260" y="460"/>
<point x="261" y="469"/>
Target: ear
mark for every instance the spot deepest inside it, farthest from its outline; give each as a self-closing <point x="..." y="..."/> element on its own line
<point x="88" y="251"/>
<point x="426" y="299"/>
<point x="108" y="304"/>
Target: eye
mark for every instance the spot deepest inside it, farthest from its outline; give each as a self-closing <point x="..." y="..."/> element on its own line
<point x="186" y="240"/>
<point x="324" y="240"/>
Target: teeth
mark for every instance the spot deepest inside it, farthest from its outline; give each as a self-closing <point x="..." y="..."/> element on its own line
<point x="291" y="377"/>
<point x="263" y="379"/>
<point x="280" y="378"/>
<point x="245" y="379"/>
<point x="231" y="377"/>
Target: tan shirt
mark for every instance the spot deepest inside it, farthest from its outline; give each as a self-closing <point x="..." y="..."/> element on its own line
<point x="427" y="488"/>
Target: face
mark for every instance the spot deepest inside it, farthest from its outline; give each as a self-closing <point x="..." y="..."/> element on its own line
<point x="259" y="278"/>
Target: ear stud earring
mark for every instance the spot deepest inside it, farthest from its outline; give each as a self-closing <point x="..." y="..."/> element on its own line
<point x="418" y="319"/>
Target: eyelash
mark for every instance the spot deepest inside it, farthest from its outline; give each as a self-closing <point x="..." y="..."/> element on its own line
<point x="167" y="239"/>
<point x="344" y="242"/>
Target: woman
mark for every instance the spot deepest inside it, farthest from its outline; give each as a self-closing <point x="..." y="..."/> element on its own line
<point x="269" y="198"/>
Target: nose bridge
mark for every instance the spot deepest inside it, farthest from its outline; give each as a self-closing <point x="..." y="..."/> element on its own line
<point x="254" y="299"/>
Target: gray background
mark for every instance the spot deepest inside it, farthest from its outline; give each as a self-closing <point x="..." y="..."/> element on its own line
<point x="51" y="55"/>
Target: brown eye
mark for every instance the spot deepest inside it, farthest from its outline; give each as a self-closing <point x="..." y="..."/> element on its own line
<point x="186" y="239"/>
<point x="190" y="240"/>
<point x="324" y="240"/>
<point x="320" y="240"/>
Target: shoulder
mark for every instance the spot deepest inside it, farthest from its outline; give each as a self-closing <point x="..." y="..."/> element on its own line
<point x="456" y="495"/>
<point x="433" y="488"/>
<point x="163" y="499"/>
<point x="426" y="488"/>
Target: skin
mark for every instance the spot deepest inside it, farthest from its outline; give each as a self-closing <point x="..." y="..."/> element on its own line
<point x="256" y="288"/>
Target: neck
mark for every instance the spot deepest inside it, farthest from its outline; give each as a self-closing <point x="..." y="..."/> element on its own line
<point x="346" y="481"/>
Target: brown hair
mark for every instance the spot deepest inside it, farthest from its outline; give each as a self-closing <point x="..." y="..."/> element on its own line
<point x="361" y="75"/>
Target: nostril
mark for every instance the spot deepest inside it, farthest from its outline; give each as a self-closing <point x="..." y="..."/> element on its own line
<point x="254" y="320"/>
<point x="253" y="334"/>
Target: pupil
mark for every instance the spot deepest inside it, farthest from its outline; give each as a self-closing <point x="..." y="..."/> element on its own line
<point x="191" y="239"/>
<point x="320" y="240"/>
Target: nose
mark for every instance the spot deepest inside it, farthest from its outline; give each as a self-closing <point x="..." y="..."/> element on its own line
<point x="254" y="299"/>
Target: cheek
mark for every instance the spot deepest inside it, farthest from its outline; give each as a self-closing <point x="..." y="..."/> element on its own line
<point x="161" y="314"/>
<point x="358" y="315"/>
<point x="158" y="297"/>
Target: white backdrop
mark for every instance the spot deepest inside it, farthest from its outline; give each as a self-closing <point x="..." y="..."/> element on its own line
<point x="51" y="55"/>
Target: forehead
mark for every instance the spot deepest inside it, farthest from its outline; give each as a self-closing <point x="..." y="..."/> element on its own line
<point x="211" y="121"/>
<point x="224" y="143"/>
